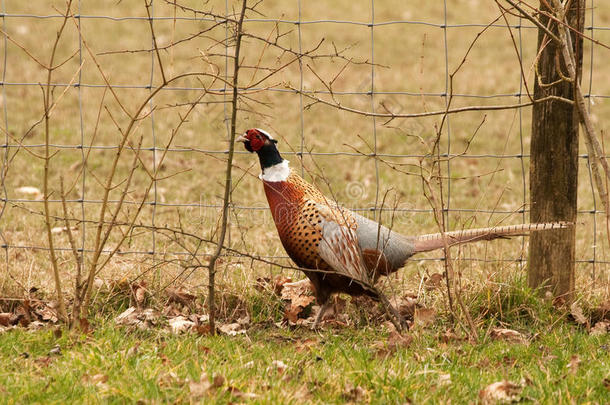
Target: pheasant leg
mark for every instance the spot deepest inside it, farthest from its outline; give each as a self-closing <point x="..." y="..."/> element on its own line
<point x="394" y="315"/>
<point x="323" y="309"/>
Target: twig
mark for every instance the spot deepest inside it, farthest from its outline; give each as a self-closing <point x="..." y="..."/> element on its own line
<point x="228" y="177"/>
<point x="154" y="38"/>
<point x="48" y="104"/>
<point x="392" y="116"/>
<point x="76" y="308"/>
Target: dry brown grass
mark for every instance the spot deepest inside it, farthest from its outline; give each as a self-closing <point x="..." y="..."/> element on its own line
<point x="408" y="57"/>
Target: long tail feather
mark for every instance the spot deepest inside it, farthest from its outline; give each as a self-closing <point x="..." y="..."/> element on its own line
<point x="425" y="243"/>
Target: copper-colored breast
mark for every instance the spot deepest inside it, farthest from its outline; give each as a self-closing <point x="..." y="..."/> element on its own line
<point x="293" y="207"/>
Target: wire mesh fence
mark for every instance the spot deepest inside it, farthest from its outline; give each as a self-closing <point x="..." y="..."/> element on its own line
<point x="353" y="92"/>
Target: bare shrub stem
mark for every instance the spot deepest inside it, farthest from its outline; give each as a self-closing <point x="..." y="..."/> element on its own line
<point x="228" y="172"/>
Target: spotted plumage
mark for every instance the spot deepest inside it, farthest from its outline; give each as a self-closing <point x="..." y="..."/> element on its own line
<point x="339" y="250"/>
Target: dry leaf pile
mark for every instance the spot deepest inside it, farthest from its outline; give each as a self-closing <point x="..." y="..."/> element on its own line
<point x="598" y="323"/>
<point x="29" y="313"/>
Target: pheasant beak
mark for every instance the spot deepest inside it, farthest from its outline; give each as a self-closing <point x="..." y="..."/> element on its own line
<point x="241" y="139"/>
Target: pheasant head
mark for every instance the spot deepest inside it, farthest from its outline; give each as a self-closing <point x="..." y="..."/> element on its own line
<point x="274" y="167"/>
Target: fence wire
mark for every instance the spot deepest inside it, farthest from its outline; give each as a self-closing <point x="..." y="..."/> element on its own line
<point x="13" y="16"/>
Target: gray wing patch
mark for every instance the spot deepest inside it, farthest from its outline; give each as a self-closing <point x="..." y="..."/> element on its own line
<point x="372" y="236"/>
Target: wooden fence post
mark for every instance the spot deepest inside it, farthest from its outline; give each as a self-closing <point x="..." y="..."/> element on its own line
<point x="554" y="161"/>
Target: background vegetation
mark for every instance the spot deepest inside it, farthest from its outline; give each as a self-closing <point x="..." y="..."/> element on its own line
<point x="408" y="54"/>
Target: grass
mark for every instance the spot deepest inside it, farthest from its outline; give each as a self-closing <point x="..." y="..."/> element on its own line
<point x="560" y="363"/>
<point x="489" y="184"/>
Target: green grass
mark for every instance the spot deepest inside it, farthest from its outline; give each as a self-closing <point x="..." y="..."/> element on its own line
<point x="318" y="371"/>
<point x="114" y="364"/>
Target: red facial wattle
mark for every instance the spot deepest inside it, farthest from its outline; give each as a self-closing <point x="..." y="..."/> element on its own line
<point x="256" y="141"/>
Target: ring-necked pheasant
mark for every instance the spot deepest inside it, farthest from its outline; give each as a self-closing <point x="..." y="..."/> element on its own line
<point x="339" y="250"/>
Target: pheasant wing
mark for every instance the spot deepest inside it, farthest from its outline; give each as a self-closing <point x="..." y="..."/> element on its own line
<point x="339" y="246"/>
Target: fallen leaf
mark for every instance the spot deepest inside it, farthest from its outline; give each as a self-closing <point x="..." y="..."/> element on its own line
<point x="434" y="281"/>
<point x="577" y="314"/>
<point x="292" y="313"/>
<point x="449" y="336"/>
<point x="23" y="311"/>
<point x="508" y="335"/>
<point x="354" y="393"/>
<point x="262" y="283"/>
<point x="394" y="342"/>
<point x="405" y="305"/>
<point x="218" y="381"/>
<point x="244" y="320"/>
<point x="277" y="365"/>
<point x="501" y="391"/>
<point x="389" y="326"/>
<point x="302" y="394"/>
<point x="126" y="316"/>
<point x="55" y="350"/>
<point x="298" y="296"/>
<point x="444" y="380"/>
<point x="180" y="324"/>
<point x="44" y="361"/>
<point x="424" y="316"/>
<point x="36" y="325"/>
<point x="276" y="285"/>
<point x="142" y="319"/>
<point x="5" y="318"/>
<point x="139" y="292"/>
<point x="297" y="290"/>
<point x="203" y="329"/>
<point x="46" y="313"/>
<point x="180" y="296"/>
<point x="97" y="379"/>
<point x="483" y="363"/>
<point x="279" y="282"/>
<point x="600" y="328"/>
<point x="574" y="364"/>
<point x="171" y="379"/>
<point x="232" y="329"/>
<point x="200" y="388"/>
<point x="305" y="345"/>
<point x="164" y="359"/>
<point x="240" y="394"/>
<point x="133" y="350"/>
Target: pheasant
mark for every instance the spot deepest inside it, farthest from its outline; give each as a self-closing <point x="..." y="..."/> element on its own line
<point x="337" y="249"/>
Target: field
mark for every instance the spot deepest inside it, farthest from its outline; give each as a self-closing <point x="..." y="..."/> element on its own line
<point x="400" y="63"/>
